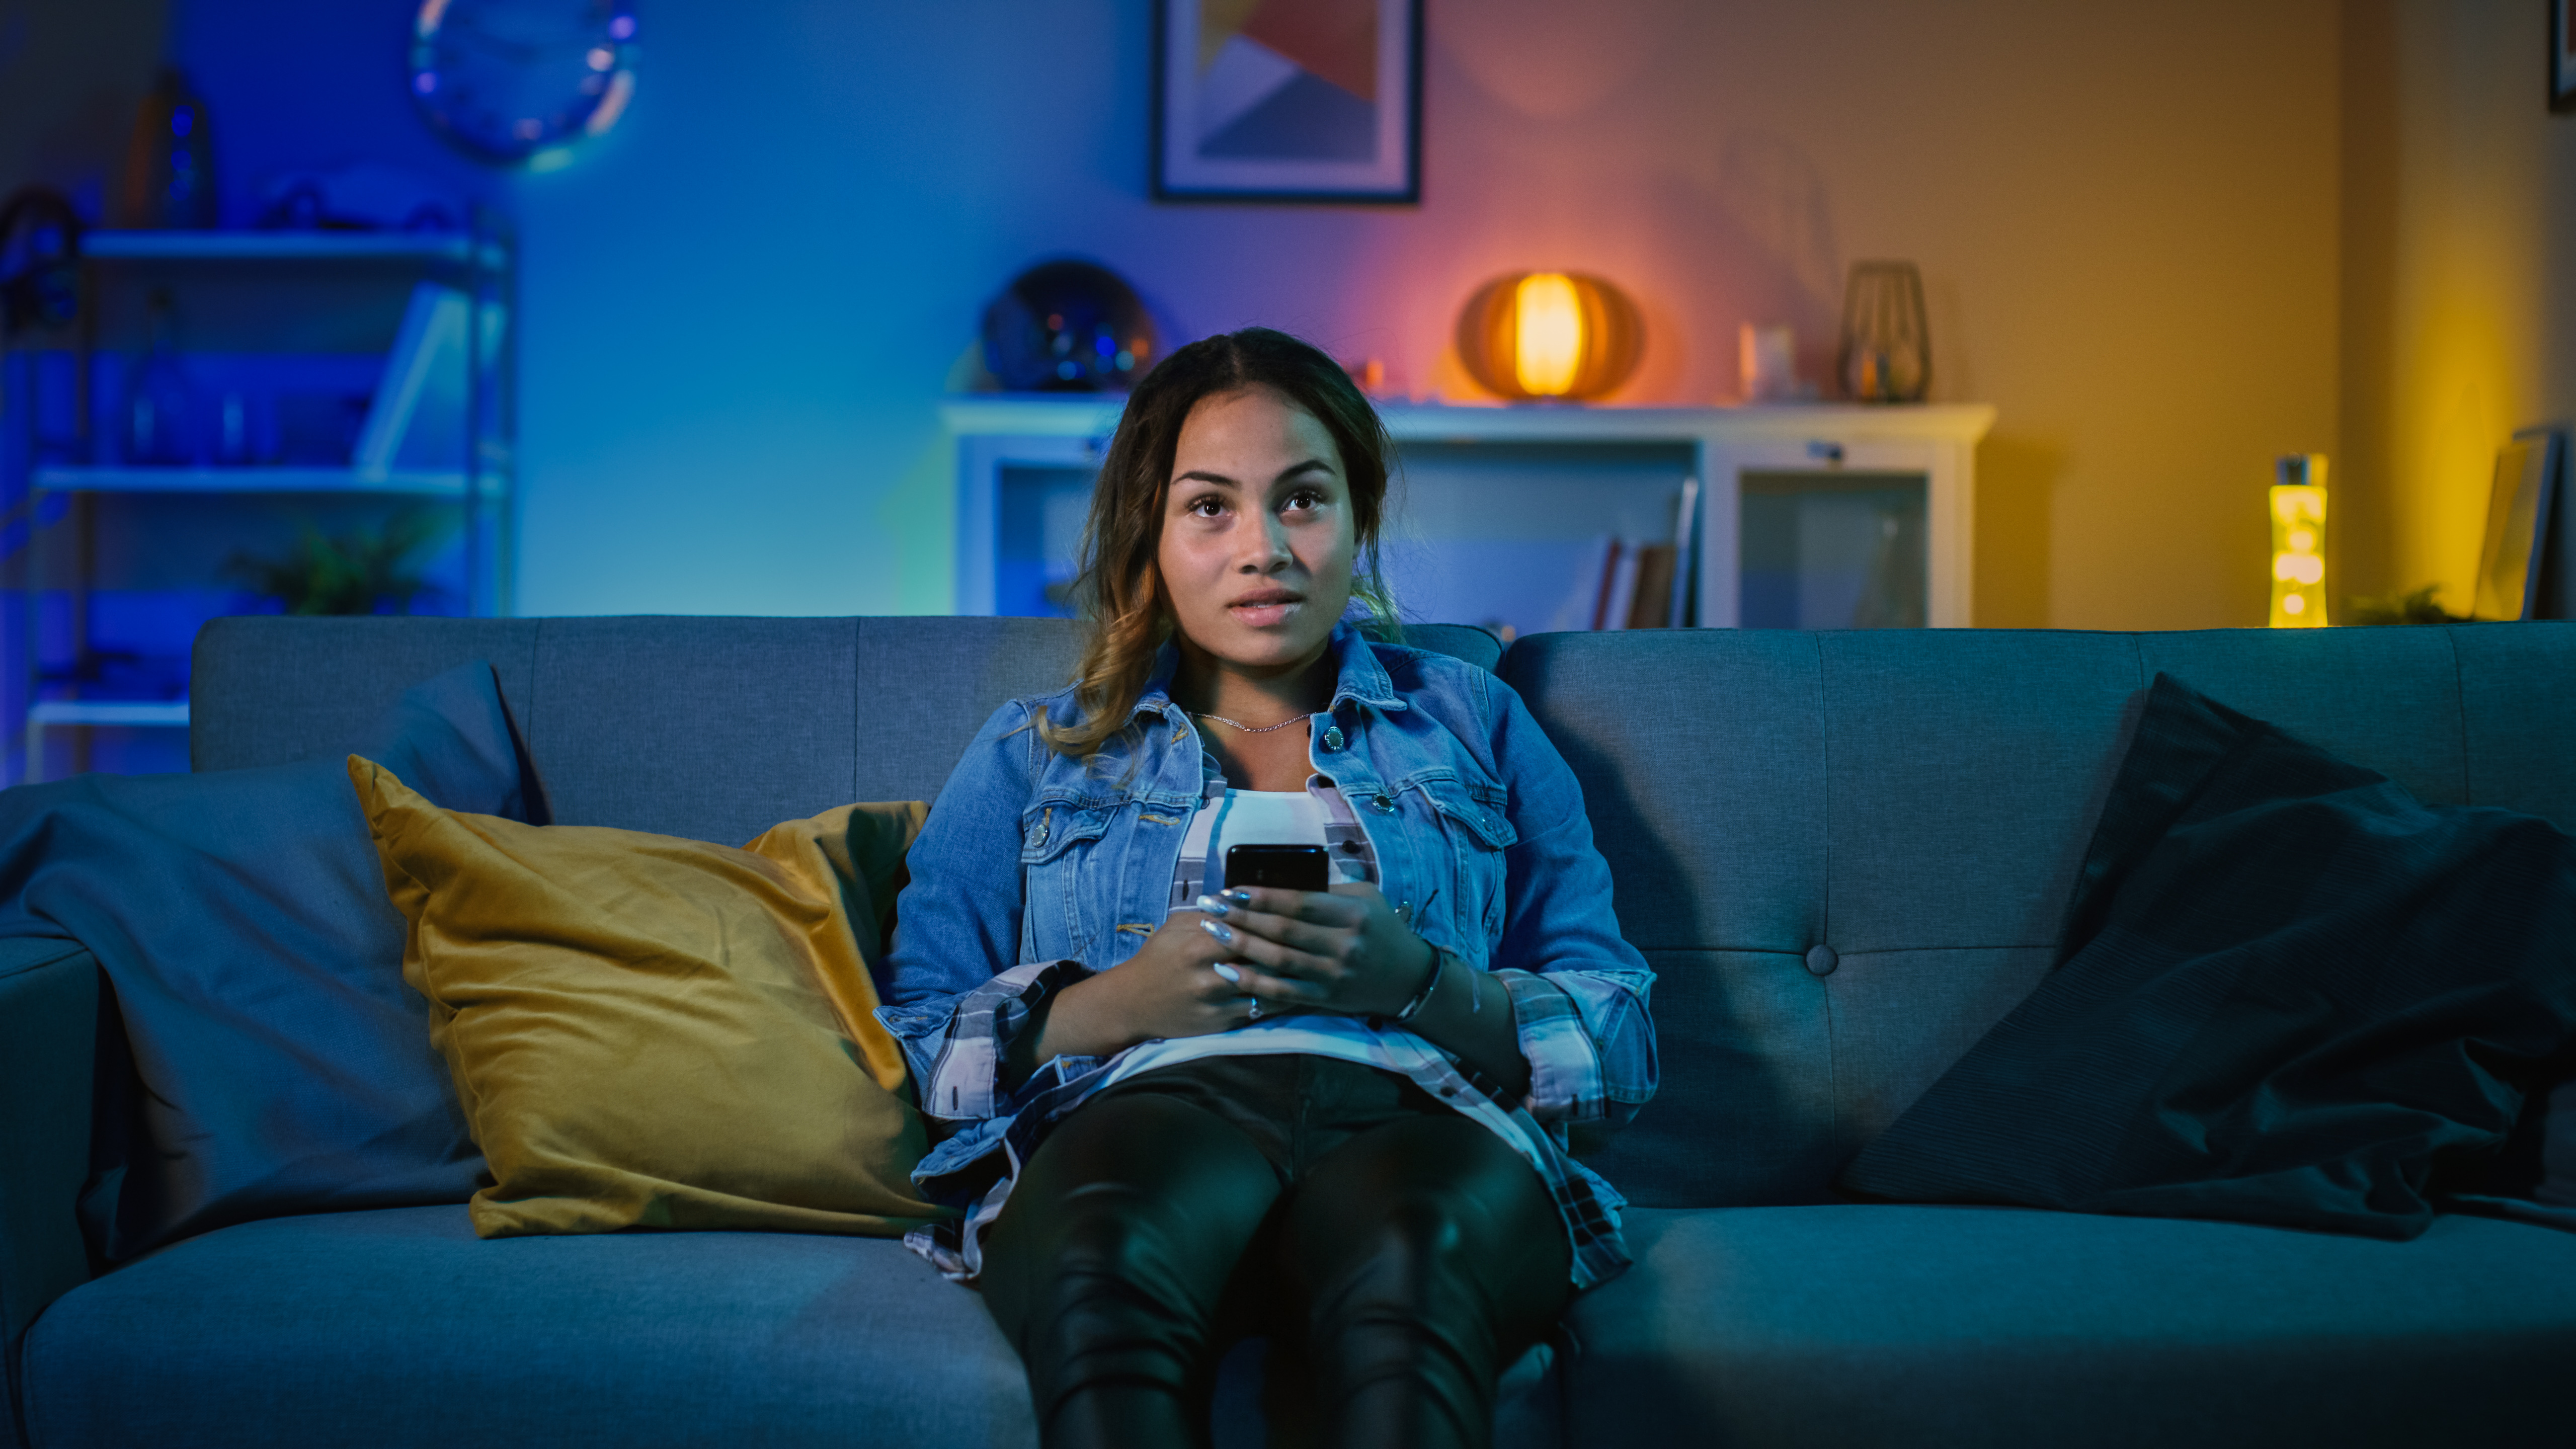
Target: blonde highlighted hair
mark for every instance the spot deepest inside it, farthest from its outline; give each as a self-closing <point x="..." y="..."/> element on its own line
<point x="1127" y="613"/>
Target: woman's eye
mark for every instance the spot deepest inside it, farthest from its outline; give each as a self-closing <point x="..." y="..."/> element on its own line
<point x="1207" y="505"/>
<point x="1305" y="499"/>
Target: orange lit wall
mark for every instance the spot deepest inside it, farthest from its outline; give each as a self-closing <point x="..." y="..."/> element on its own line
<point x="2460" y="226"/>
<point x="2126" y="218"/>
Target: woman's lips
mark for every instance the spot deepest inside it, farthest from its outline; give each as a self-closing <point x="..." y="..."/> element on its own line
<point x="1260" y="611"/>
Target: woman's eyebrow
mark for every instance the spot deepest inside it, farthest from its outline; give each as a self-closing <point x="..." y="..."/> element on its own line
<point x="1220" y="480"/>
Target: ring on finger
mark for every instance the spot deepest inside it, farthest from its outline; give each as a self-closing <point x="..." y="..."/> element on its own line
<point x="1256" y="1008"/>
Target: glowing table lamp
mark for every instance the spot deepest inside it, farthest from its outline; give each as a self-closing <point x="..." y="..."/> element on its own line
<point x="1550" y="335"/>
<point x="2299" y="542"/>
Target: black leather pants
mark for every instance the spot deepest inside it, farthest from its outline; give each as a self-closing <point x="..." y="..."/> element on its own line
<point x="1399" y="1255"/>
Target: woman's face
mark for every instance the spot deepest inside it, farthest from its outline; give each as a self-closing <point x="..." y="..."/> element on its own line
<point x="1258" y="540"/>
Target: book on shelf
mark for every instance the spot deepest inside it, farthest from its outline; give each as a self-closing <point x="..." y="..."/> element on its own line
<point x="1651" y="600"/>
<point x="1633" y="585"/>
<point x="417" y="418"/>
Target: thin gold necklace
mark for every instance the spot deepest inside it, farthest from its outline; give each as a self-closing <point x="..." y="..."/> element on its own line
<point x="1247" y="729"/>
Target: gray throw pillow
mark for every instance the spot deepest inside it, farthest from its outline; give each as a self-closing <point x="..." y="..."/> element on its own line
<point x="278" y="1062"/>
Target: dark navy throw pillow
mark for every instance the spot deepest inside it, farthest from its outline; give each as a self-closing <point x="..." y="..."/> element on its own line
<point x="280" y="1063"/>
<point x="2291" y="994"/>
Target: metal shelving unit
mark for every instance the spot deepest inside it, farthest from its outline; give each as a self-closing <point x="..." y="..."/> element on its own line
<point x="268" y="294"/>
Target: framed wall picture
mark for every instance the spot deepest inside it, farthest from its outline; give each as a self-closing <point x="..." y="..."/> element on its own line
<point x="2511" y="564"/>
<point x="2562" y="56"/>
<point x="1288" y="100"/>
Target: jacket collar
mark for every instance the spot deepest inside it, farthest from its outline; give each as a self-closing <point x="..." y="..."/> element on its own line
<point x="1361" y="680"/>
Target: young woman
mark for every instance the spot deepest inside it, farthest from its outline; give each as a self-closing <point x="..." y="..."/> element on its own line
<point x="1187" y="1112"/>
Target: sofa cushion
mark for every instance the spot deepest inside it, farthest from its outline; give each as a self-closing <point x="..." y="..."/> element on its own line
<point x="241" y="918"/>
<point x="1936" y="1326"/>
<point x="652" y="1031"/>
<point x="399" y="1328"/>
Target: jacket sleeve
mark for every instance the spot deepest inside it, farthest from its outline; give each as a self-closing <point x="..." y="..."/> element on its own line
<point x="955" y="994"/>
<point x="1579" y="991"/>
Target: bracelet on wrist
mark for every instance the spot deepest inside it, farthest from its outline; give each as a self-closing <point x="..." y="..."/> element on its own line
<point x="1430" y="984"/>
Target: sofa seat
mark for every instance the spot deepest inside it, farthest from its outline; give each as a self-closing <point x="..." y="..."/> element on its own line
<point x="1928" y="1326"/>
<point x="399" y="1327"/>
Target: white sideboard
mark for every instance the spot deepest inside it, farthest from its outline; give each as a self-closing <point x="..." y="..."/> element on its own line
<point x="1720" y="447"/>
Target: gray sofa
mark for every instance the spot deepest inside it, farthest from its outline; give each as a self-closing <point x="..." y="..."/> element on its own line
<point x="1845" y="854"/>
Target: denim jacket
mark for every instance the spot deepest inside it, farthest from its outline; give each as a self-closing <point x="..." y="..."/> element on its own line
<point x="1036" y="870"/>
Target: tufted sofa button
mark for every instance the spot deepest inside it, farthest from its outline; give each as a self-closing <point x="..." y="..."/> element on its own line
<point x="1821" y="960"/>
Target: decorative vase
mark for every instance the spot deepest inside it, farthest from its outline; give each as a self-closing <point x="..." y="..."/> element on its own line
<point x="1068" y="327"/>
<point x="162" y="425"/>
<point x="170" y="162"/>
<point x="1886" y="352"/>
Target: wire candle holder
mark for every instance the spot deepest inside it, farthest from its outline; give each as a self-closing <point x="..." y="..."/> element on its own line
<point x="1886" y="352"/>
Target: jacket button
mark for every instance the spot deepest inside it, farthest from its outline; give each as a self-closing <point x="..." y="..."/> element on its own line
<point x="1333" y="737"/>
<point x="1821" y="961"/>
<point x="1382" y="805"/>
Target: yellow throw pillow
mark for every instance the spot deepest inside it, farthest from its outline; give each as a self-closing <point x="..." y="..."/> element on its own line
<point x="654" y="1032"/>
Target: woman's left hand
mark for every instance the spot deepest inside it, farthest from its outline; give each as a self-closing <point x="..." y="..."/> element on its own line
<point x="1343" y="950"/>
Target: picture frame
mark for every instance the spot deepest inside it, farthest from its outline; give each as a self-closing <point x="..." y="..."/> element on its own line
<point x="2513" y="563"/>
<point x="2562" y="56"/>
<point x="1315" y="101"/>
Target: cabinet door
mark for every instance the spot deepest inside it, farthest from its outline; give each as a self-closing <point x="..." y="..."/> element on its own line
<point x="1823" y="533"/>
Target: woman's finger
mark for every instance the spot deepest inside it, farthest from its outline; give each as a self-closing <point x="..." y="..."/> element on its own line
<point x="1294" y="934"/>
<point x="1244" y="948"/>
<point x="1282" y="991"/>
<point x="1324" y="908"/>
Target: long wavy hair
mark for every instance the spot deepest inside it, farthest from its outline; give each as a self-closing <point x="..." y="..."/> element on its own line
<point x="1126" y="610"/>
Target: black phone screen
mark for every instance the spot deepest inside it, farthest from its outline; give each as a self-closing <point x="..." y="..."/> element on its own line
<point x="1282" y="867"/>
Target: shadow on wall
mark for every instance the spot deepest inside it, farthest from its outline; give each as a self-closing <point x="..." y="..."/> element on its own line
<point x="2016" y="480"/>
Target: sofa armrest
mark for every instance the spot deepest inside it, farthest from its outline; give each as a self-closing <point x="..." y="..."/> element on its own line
<point x="49" y="1002"/>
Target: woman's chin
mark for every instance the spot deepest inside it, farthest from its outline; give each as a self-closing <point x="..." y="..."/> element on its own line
<point x="1288" y="642"/>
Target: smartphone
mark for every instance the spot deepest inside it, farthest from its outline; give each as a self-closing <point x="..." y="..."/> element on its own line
<point x="1283" y="867"/>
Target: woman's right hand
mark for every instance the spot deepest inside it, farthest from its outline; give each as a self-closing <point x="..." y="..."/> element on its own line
<point x="1170" y="987"/>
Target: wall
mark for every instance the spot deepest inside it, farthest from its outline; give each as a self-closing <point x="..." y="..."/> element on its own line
<point x="2460" y="208"/>
<point x="742" y="305"/>
<point x="71" y="75"/>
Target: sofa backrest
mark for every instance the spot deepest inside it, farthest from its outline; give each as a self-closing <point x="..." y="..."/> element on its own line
<point x="710" y="728"/>
<point x="1916" y="803"/>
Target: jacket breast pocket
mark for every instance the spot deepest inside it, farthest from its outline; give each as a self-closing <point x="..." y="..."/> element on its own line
<point x="1060" y="890"/>
<point x="1472" y="819"/>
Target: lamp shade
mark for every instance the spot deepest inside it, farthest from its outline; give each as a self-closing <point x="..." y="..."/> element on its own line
<point x="1550" y="335"/>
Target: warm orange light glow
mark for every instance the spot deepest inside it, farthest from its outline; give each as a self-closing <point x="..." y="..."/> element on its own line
<point x="2298" y="545"/>
<point x="1552" y="335"/>
<point x="1547" y="342"/>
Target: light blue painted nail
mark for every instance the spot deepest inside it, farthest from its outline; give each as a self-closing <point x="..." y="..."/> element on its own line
<point x="1222" y="933"/>
<point x="1228" y="972"/>
<point x="1239" y="896"/>
<point x="1213" y="906"/>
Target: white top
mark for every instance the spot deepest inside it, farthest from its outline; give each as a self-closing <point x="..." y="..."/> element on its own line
<point x="1259" y="817"/>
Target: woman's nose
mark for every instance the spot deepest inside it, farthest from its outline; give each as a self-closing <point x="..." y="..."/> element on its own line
<point x="1266" y="549"/>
